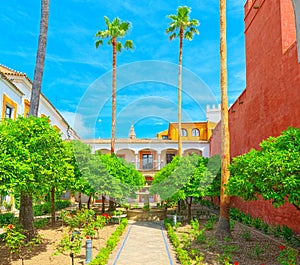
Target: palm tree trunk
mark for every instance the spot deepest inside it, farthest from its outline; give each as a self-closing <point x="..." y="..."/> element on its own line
<point x="40" y="58"/>
<point x="113" y="114"/>
<point x="26" y="199"/>
<point x="224" y="224"/>
<point x="180" y="94"/>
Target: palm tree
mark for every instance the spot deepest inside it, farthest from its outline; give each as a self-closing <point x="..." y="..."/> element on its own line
<point x="115" y="29"/>
<point x="224" y="225"/>
<point x="40" y="58"/>
<point x="183" y="27"/>
<point x="26" y="206"/>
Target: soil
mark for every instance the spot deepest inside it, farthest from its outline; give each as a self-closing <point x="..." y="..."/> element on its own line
<point x="43" y="253"/>
<point x="258" y="249"/>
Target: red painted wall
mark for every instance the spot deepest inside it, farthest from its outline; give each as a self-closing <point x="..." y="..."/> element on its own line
<point x="271" y="101"/>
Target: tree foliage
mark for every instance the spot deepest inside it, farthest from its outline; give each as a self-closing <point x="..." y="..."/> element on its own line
<point x="33" y="157"/>
<point x="272" y="172"/>
<point x="115" y="29"/>
<point x="33" y="160"/>
<point x="104" y="173"/>
<point x="124" y="174"/>
<point x="190" y="176"/>
<point x="182" y="22"/>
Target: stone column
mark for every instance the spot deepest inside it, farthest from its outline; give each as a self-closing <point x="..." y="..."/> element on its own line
<point x="136" y="160"/>
<point x="158" y="160"/>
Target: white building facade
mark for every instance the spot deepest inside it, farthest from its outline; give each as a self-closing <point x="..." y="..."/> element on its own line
<point x="15" y="93"/>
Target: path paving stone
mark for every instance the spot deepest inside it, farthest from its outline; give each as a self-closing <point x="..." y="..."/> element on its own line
<point x="144" y="243"/>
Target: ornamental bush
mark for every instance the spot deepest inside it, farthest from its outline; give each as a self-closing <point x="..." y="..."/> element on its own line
<point x="7" y="218"/>
<point x="103" y="255"/>
<point x="272" y="172"/>
<point x="45" y="208"/>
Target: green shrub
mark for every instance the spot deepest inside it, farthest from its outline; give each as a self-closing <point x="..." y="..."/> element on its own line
<point x="182" y="254"/>
<point x="41" y="223"/>
<point x="103" y="255"/>
<point x="6" y="219"/>
<point x="45" y="208"/>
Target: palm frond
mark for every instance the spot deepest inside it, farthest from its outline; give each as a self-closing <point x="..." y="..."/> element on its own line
<point x="115" y="29"/>
<point x="119" y="46"/>
<point x="194" y="22"/>
<point x="125" y="26"/>
<point x="182" y="21"/>
<point x="183" y="12"/>
<point x="194" y="30"/>
<point x="107" y="22"/>
<point x="102" y="34"/>
<point x="173" y="36"/>
<point x="98" y="43"/>
<point x="128" y="44"/>
<point x="188" y="35"/>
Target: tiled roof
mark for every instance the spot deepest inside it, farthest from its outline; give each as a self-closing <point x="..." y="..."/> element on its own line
<point x="3" y="76"/>
<point x="9" y="71"/>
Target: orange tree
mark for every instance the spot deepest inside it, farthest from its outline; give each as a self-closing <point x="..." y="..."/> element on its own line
<point x="272" y="172"/>
<point x="105" y="174"/>
<point x="124" y="178"/>
<point x="33" y="160"/>
<point x="187" y="178"/>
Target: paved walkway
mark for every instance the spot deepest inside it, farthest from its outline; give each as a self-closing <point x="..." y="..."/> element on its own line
<point x="144" y="243"/>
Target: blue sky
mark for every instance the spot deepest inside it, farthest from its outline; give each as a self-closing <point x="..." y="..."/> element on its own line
<point x="77" y="76"/>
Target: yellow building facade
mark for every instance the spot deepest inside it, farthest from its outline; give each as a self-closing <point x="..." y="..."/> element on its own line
<point x="190" y="131"/>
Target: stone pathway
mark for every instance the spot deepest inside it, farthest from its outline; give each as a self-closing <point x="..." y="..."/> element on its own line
<point x="144" y="243"/>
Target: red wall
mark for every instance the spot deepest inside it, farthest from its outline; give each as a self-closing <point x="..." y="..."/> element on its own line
<point x="271" y="101"/>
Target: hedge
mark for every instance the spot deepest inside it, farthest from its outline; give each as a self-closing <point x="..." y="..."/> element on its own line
<point x="104" y="253"/>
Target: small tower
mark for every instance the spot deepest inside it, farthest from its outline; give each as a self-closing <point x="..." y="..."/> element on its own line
<point x="132" y="134"/>
<point x="213" y="114"/>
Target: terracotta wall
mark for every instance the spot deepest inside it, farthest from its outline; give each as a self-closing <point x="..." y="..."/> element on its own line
<point x="270" y="102"/>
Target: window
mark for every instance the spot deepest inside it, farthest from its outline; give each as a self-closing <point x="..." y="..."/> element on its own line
<point x="9" y="108"/>
<point x="169" y="158"/>
<point x="9" y="112"/>
<point x="26" y="108"/>
<point x="165" y="137"/>
<point x="184" y="132"/>
<point x="147" y="161"/>
<point x="195" y="132"/>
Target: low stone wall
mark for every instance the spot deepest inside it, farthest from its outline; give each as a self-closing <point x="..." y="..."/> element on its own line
<point x="152" y="215"/>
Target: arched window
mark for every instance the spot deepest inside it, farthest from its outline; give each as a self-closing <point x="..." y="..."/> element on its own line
<point x="195" y="132"/>
<point x="184" y="132"/>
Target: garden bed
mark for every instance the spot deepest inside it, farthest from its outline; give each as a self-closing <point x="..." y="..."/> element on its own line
<point x="248" y="246"/>
<point x="43" y="254"/>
